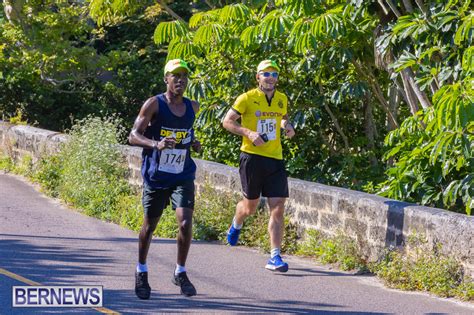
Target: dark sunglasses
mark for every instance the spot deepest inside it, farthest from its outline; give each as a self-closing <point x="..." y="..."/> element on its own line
<point x="269" y="74"/>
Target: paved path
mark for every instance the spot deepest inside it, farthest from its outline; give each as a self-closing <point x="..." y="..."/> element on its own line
<point x="43" y="242"/>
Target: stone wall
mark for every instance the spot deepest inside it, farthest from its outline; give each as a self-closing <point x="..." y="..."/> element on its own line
<point x="374" y="222"/>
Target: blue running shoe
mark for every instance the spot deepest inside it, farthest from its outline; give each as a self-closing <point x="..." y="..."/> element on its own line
<point x="233" y="236"/>
<point x="276" y="264"/>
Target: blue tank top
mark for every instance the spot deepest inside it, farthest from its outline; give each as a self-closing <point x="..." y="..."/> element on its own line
<point x="165" y="168"/>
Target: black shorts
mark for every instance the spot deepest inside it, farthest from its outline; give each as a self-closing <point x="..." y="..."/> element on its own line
<point x="156" y="200"/>
<point x="262" y="175"/>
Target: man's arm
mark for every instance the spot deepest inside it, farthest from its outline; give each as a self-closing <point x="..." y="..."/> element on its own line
<point x="230" y="123"/>
<point x="136" y="137"/>
<point x="195" y="106"/>
<point x="289" y="129"/>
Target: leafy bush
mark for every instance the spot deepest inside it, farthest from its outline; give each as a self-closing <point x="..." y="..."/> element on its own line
<point x="338" y="249"/>
<point x="425" y="271"/>
<point x="6" y="163"/>
<point x="433" y="153"/>
<point x="93" y="173"/>
<point x="48" y="174"/>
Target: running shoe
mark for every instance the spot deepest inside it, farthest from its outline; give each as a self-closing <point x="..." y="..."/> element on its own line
<point x="181" y="280"/>
<point x="233" y="235"/>
<point x="277" y="264"/>
<point x="142" y="288"/>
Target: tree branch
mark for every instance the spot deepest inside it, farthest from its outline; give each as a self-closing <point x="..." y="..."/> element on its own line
<point x="382" y="5"/>
<point x="365" y="73"/>
<point x="334" y="120"/>
<point x="408" y="6"/>
<point x="394" y="9"/>
<point x="169" y="10"/>
<point x="209" y="4"/>
<point x="424" y="101"/>
<point x="411" y="97"/>
<point x="421" y="5"/>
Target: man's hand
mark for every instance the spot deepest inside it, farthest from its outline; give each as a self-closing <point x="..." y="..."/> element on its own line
<point x="196" y="145"/>
<point x="289" y="130"/>
<point x="255" y="138"/>
<point x="166" y="143"/>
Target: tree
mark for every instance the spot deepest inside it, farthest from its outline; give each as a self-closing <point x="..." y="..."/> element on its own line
<point x="57" y="65"/>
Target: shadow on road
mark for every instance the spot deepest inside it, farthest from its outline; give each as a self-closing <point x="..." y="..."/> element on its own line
<point x="307" y="272"/>
<point x="125" y="301"/>
<point x="31" y="261"/>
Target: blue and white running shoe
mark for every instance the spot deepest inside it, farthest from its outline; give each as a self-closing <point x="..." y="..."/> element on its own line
<point x="233" y="236"/>
<point x="277" y="264"/>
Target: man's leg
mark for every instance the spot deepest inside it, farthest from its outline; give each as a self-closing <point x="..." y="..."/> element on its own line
<point x="245" y="208"/>
<point x="275" y="229"/>
<point x="142" y="288"/>
<point x="276" y="222"/>
<point x="154" y="201"/>
<point x="183" y="203"/>
<point x="145" y="236"/>
<point x="184" y="216"/>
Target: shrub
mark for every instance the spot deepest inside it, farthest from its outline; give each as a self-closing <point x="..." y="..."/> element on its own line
<point x="6" y="163"/>
<point x="339" y="249"/>
<point x="424" y="270"/>
<point x="93" y="169"/>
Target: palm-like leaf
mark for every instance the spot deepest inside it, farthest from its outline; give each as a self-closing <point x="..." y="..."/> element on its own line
<point x="165" y="32"/>
<point x="205" y="17"/>
<point x="234" y="13"/>
<point x="249" y="36"/>
<point x="328" y="24"/>
<point x="182" y="47"/>
<point x="209" y="33"/>
<point x="465" y="32"/>
<point x="299" y="7"/>
<point x="275" y="24"/>
<point x="300" y="37"/>
<point x="410" y="26"/>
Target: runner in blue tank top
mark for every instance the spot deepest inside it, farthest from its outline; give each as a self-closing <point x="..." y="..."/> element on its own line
<point x="164" y="128"/>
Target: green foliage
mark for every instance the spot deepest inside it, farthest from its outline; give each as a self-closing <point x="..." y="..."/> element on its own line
<point x="6" y="163"/>
<point x="315" y="50"/>
<point x="18" y="119"/>
<point x="48" y="173"/>
<point x="89" y="171"/>
<point x="433" y="153"/>
<point x="129" y="211"/>
<point x="425" y="271"/>
<point x="338" y="249"/>
<point x="24" y="166"/>
<point x="56" y="65"/>
<point x="93" y="173"/>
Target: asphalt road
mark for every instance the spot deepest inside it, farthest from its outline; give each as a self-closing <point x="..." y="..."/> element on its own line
<point x="44" y="242"/>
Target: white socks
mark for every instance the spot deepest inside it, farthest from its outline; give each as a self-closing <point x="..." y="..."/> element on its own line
<point x="235" y="225"/>
<point x="275" y="252"/>
<point x="179" y="269"/>
<point x="142" y="268"/>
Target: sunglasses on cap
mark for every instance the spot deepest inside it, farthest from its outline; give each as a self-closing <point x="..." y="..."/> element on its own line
<point x="269" y="74"/>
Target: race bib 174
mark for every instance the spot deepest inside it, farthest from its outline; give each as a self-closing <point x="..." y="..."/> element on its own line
<point x="172" y="160"/>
